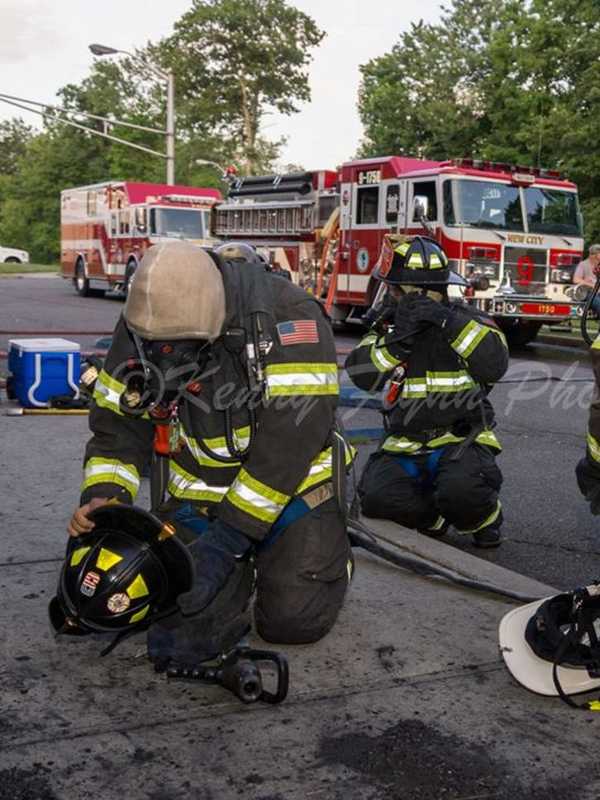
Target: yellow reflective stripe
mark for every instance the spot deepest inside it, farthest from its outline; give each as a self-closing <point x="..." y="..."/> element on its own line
<point x="241" y="437"/>
<point x="321" y="468"/>
<point x="137" y="588"/>
<point x="256" y="498"/>
<point x="402" y="248"/>
<point x="446" y="438"/>
<point x="500" y="335"/>
<point x="111" y="470"/>
<point x="448" y="381"/>
<point x="77" y="555"/>
<point x="139" y="614"/>
<point x="435" y="262"/>
<point x="221" y="449"/>
<point x="596" y="343"/>
<point x="437" y="382"/>
<point x="489" y="438"/>
<point x="413" y="388"/>
<point x="400" y="444"/>
<point x="107" y="392"/>
<point x="437" y="525"/>
<point x="302" y="378"/>
<point x="469" y="338"/>
<point x="593" y="447"/>
<point x="381" y="357"/>
<point x="415" y="261"/>
<point x="487" y="521"/>
<point x="368" y="339"/>
<point x="107" y="559"/>
<point x="184" y="485"/>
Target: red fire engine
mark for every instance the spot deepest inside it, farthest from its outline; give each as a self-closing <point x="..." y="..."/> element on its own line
<point x="107" y="227"/>
<point x="515" y="232"/>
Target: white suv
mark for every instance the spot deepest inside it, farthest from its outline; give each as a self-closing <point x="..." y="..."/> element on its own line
<point x="11" y="256"/>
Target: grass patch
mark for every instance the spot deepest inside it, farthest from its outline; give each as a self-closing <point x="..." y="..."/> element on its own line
<point x="11" y="269"/>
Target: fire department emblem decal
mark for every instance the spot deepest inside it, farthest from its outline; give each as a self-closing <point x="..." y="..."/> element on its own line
<point x="118" y="602"/>
<point x="362" y="260"/>
<point x="89" y="584"/>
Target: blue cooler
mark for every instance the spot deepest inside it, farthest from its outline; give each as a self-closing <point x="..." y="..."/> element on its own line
<point x="43" y="368"/>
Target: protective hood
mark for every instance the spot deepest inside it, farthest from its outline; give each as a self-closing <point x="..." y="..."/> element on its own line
<point x="530" y="637"/>
<point x="177" y="293"/>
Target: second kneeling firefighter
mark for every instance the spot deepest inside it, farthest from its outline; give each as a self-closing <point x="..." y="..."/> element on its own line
<point x="239" y="367"/>
<point x="436" y="465"/>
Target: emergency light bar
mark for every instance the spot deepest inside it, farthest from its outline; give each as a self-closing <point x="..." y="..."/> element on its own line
<point x="186" y="198"/>
<point x="520" y="173"/>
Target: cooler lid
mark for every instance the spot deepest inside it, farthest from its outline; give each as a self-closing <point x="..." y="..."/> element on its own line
<point x="44" y="345"/>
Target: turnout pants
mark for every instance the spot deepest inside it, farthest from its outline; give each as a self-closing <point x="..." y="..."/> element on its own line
<point x="426" y="492"/>
<point x="300" y="576"/>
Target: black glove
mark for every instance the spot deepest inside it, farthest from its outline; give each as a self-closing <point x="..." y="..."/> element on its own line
<point x="423" y="309"/>
<point x="588" y="479"/>
<point x="214" y="554"/>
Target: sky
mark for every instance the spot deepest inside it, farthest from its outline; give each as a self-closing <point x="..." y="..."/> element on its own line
<point x="44" y="45"/>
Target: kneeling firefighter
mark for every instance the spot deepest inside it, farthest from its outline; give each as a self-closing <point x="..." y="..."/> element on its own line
<point x="235" y="370"/>
<point x="436" y="464"/>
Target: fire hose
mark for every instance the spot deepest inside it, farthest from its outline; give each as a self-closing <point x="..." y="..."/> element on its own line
<point x="380" y="546"/>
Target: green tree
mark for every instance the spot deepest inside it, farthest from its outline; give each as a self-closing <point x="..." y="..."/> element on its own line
<point x="506" y="80"/>
<point x="235" y="61"/>
<point x="14" y="135"/>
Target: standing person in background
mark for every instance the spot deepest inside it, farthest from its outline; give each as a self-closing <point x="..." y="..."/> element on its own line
<point x="585" y="274"/>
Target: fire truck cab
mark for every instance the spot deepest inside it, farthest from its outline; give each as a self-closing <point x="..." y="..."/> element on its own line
<point x="107" y="227"/>
<point x="514" y="232"/>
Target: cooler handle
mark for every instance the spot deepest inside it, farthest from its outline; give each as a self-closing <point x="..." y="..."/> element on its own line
<point x="35" y="385"/>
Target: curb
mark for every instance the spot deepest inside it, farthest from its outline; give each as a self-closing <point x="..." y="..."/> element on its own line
<point x="561" y="341"/>
<point x="467" y="564"/>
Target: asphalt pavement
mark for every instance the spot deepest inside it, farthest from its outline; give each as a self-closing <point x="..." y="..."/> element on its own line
<point x="406" y="699"/>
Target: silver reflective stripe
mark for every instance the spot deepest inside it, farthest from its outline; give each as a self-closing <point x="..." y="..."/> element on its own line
<point x="219" y="449"/>
<point x="182" y="484"/>
<point x="110" y="470"/>
<point x="256" y="498"/>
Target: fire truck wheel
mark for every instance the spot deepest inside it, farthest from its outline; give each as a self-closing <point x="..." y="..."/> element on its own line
<point x="521" y="332"/>
<point x="81" y="283"/>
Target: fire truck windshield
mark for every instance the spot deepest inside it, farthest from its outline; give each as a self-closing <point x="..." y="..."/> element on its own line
<point x="178" y="223"/>
<point x="552" y="211"/>
<point x="489" y="204"/>
<point x="482" y="204"/>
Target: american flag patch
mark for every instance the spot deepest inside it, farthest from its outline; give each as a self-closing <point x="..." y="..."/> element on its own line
<point x="299" y="331"/>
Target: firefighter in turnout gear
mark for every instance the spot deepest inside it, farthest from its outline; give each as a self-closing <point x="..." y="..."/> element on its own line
<point x="588" y="469"/>
<point x="436" y="362"/>
<point x="235" y="370"/>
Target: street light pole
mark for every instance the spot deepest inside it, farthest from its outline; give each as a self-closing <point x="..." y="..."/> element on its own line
<point x="170" y="130"/>
<point x="169" y="78"/>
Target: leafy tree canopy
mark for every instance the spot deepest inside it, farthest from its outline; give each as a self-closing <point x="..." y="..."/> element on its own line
<point x="507" y="80"/>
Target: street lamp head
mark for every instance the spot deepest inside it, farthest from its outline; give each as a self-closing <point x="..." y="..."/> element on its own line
<point x="102" y="50"/>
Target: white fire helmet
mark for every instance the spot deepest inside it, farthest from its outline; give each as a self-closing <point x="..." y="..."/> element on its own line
<point x="552" y="646"/>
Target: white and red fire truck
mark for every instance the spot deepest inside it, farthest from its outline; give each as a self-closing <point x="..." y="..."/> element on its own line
<point x="516" y="232"/>
<point x="107" y="227"/>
